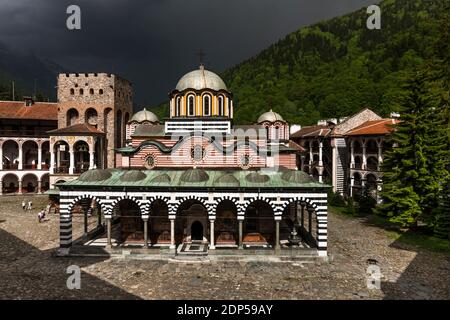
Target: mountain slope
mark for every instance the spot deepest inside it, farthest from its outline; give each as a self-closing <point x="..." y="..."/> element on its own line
<point x="336" y="67"/>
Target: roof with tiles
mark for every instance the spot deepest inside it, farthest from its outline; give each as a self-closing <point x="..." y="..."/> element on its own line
<point x="312" y="131"/>
<point x="80" y="128"/>
<point x="235" y="179"/>
<point x="375" y="127"/>
<point x="36" y="111"/>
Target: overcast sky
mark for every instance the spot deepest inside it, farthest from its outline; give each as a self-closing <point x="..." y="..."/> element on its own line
<point x="154" y="42"/>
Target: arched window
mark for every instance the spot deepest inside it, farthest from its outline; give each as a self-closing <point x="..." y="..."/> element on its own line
<point x="72" y="92"/>
<point x="81" y="91"/>
<point x="277" y="133"/>
<point x="178" y="107"/>
<point x="91" y="91"/>
<point x="191" y="105"/>
<point x="100" y="91"/>
<point x="220" y="107"/>
<point x="206" y="105"/>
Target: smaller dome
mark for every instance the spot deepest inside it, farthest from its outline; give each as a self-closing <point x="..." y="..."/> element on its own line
<point x="256" y="177"/>
<point x="270" y="116"/>
<point x="95" y="175"/>
<point x="194" y="175"/>
<point x="144" y="115"/>
<point x="164" y="177"/>
<point x="296" y="176"/>
<point x="132" y="176"/>
<point x="227" y="179"/>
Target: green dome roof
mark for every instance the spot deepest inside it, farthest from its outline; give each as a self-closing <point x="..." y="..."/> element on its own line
<point x="164" y="177"/>
<point x="296" y="176"/>
<point x="194" y="175"/>
<point x="257" y="177"/>
<point x="227" y="179"/>
<point x="133" y="175"/>
<point x="95" y="175"/>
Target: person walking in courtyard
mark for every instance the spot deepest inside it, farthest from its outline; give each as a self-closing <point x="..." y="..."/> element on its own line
<point x="41" y="216"/>
<point x="30" y="205"/>
<point x="23" y="205"/>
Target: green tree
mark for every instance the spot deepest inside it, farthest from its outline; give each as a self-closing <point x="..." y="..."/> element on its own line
<point x="415" y="168"/>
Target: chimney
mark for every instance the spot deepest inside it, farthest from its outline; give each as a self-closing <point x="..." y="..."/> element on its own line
<point x="28" y="101"/>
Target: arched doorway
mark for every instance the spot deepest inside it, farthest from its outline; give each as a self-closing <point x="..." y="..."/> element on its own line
<point x="81" y="149"/>
<point x="10" y="155"/>
<point x="72" y="117"/>
<point x="159" y="223"/>
<point x="45" y="155"/>
<point x="30" y="154"/>
<point x="128" y="223"/>
<point x="29" y="183"/>
<point x="10" y="183"/>
<point x="86" y="218"/>
<point x="196" y="231"/>
<point x="91" y="117"/>
<point x="62" y="157"/>
<point x="190" y="214"/>
<point x="226" y="225"/>
<point x="259" y="228"/>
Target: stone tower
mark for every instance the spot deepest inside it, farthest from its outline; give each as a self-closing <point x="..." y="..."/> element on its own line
<point x="99" y="99"/>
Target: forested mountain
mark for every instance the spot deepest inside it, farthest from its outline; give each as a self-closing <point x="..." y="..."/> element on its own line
<point x="336" y="67"/>
<point x="31" y="74"/>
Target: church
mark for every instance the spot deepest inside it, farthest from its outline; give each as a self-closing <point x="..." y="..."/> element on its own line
<point x="193" y="183"/>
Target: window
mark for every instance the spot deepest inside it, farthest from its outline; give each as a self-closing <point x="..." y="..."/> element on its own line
<point x="191" y="106"/>
<point x="91" y="91"/>
<point x="178" y="107"/>
<point x="100" y="91"/>
<point x="72" y="92"/>
<point x="81" y="91"/>
<point x="206" y="105"/>
<point x="220" y="107"/>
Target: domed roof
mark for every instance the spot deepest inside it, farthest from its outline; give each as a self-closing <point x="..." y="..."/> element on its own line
<point x="270" y="116"/>
<point x="133" y="175"/>
<point x="201" y="79"/>
<point x="95" y="175"/>
<point x="227" y="179"/>
<point x="144" y="115"/>
<point x="296" y="176"/>
<point x="257" y="177"/>
<point x="164" y="177"/>
<point x="194" y="175"/>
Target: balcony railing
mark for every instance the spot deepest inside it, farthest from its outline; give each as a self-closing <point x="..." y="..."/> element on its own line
<point x="62" y="170"/>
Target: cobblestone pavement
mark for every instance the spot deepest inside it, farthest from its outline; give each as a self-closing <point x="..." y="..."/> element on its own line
<point x="28" y="271"/>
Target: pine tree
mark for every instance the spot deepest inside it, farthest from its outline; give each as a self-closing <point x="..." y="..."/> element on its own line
<point x="442" y="213"/>
<point x="415" y="168"/>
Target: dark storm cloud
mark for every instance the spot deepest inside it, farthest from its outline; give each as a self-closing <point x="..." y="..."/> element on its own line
<point x="153" y="43"/>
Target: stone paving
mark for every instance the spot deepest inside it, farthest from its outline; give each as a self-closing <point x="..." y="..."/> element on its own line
<point x="28" y="270"/>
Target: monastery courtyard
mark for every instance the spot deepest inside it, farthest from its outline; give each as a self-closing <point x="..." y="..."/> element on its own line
<point x="28" y="270"/>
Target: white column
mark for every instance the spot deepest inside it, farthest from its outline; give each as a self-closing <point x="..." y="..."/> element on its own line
<point x="72" y="161"/>
<point x="145" y="231"/>
<point x="211" y="235"/>
<point x="320" y="153"/>
<point x="364" y="164"/>
<point x="20" y="156"/>
<point x="310" y="154"/>
<point x="20" y="187"/>
<point x="380" y="154"/>
<point x="333" y="165"/>
<point x="352" y="182"/>
<point x="172" y="233"/>
<point x="277" y="234"/>
<point x="39" y="164"/>
<point x="240" y="246"/>
<point x="108" y="231"/>
<point x="352" y="155"/>
<point x="52" y="161"/>
<point x="91" y="160"/>
<point x="39" y="187"/>
<point x="1" y="157"/>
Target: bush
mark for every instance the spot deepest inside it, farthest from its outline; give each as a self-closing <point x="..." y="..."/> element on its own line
<point x="366" y="204"/>
<point x="335" y="199"/>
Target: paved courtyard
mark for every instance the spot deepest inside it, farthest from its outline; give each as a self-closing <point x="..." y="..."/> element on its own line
<point x="28" y="270"/>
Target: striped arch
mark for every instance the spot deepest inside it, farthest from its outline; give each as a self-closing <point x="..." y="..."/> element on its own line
<point x="301" y="199"/>
<point x="274" y="207"/>
<point x="86" y="196"/>
<point x="221" y="199"/>
<point x="152" y="199"/>
<point x="115" y="202"/>
<point x="174" y="209"/>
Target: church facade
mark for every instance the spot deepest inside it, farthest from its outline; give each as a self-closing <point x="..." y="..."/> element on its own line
<point x="198" y="182"/>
